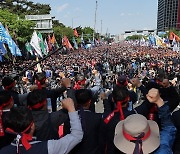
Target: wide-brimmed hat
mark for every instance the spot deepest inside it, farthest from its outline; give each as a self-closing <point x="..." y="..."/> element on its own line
<point x="132" y="127"/>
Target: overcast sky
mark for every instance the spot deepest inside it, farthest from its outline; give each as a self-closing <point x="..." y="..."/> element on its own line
<point x="117" y="15"/>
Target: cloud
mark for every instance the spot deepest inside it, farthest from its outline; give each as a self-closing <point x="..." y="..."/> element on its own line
<point x="62" y="7"/>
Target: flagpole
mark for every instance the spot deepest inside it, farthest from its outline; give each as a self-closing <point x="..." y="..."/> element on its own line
<point x="37" y="62"/>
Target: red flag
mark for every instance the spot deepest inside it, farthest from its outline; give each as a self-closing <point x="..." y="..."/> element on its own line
<point x="171" y="36"/>
<point x="66" y="43"/>
<point x="53" y="40"/>
<point x="49" y="43"/>
<point x="76" y="33"/>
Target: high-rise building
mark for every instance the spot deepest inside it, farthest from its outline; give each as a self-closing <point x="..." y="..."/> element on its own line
<point x="168" y="15"/>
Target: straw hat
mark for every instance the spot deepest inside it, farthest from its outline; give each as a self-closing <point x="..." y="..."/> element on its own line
<point x="134" y="125"/>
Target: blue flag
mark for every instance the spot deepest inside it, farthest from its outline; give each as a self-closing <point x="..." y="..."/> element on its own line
<point x="75" y="43"/>
<point x="152" y="40"/>
<point x="2" y="49"/>
<point x="6" y="38"/>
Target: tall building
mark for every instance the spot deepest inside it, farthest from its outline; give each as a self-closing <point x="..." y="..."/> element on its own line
<point x="43" y="22"/>
<point x="168" y="15"/>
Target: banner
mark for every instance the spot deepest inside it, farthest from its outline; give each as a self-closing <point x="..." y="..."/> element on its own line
<point x="46" y="46"/>
<point x="6" y="38"/>
<point x="28" y="48"/>
<point x="66" y="43"/>
<point x="75" y="43"/>
<point x="35" y="43"/>
<point x="41" y="43"/>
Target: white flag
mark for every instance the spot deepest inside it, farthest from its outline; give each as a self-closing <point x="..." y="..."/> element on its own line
<point x="46" y="46"/>
<point x="35" y="44"/>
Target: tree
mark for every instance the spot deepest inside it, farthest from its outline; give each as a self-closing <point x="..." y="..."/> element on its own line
<point x="134" y="37"/>
<point x="24" y="7"/>
<point x="21" y="27"/>
<point x="60" y="31"/>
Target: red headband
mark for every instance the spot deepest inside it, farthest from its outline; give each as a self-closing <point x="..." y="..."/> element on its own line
<point x="118" y="109"/>
<point x="23" y="137"/>
<point x="39" y="83"/>
<point x="10" y="86"/>
<point x="1" y="112"/>
<point x="125" y="83"/>
<point x="38" y="105"/>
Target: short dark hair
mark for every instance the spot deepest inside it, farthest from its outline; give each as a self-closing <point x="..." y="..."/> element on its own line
<point x="18" y="119"/>
<point x="6" y="81"/>
<point x="4" y="97"/>
<point x="36" y="96"/>
<point x="120" y="93"/>
<point x="40" y="77"/>
<point x="83" y="96"/>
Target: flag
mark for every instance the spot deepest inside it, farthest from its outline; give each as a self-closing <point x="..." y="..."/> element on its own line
<point x="159" y="41"/>
<point x="14" y="49"/>
<point x="49" y="43"/>
<point x="75" y="43"/>
<point x="6" y="38"/>
<point x="35" y="43"/>
<point x="41" y="43"/>
<point x="171" y="36"/>
<point x="54" y="42"/>
<point x="66" y="43"/>
<point x="82" y="41"/>
<point x="28" y="48"/>
<point x="152" y="40"/>
<point x="46" y="46"/>
<point x="174" y="41"/>
<point x="2" y="49"/>
<point x="76" y="33"/>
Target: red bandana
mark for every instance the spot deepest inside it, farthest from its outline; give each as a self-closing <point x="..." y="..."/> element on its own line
<point x="10" y="86"/>
<point x="118" y="109"/>
<point x="125" y="84"/>
<point x="1" y="112"/>
<point x="22" y="136"/>
<point x="39" y="83"/>
<point x="38" y="105"/>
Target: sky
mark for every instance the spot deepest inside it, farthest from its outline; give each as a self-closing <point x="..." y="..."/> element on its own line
<point x="116" y="16"/>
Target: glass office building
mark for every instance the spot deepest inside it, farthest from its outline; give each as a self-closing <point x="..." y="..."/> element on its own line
<point x="168" y="15"/>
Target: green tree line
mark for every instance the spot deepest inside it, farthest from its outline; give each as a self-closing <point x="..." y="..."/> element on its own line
<point x="12" y="15"/>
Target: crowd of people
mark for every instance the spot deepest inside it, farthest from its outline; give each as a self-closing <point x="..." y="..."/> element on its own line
<point x="52" y="108"/>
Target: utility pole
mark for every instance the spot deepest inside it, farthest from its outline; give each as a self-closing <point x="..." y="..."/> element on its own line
<point x="95" y="16"/>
